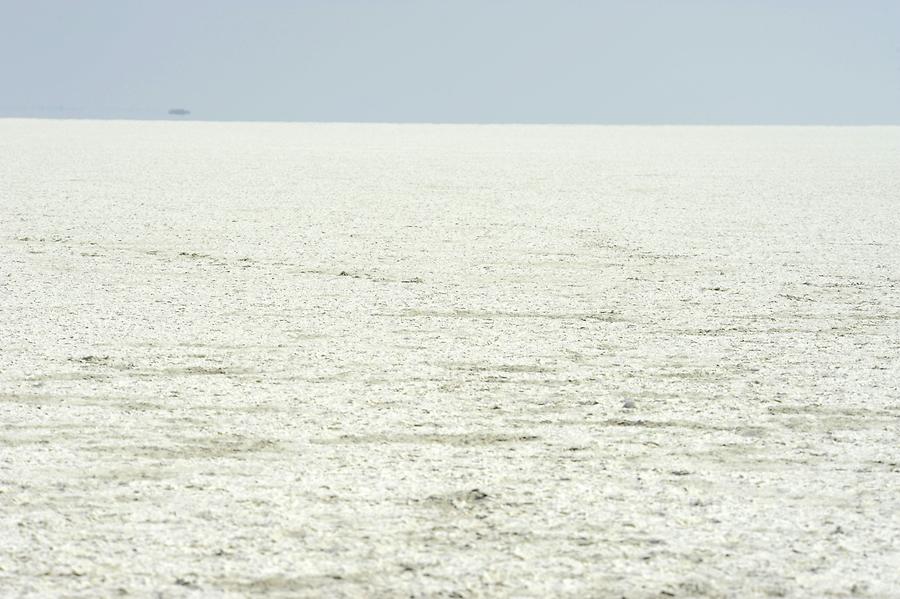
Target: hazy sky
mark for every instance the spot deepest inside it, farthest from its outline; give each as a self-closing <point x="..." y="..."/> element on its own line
<point x="565" y="61"/>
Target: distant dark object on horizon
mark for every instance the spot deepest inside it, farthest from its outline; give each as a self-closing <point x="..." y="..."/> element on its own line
<point x="179" y="111"/>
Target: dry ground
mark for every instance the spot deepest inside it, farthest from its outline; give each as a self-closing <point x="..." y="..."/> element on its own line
<point x="449" y="361"/>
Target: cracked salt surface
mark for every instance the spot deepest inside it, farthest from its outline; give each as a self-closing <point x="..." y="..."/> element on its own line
<point x="376" y="360"/>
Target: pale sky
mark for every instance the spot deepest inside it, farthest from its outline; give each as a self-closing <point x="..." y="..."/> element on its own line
<point x="475" y="61"/>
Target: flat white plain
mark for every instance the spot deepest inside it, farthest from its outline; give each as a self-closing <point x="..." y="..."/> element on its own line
<point x="413" y="360"/>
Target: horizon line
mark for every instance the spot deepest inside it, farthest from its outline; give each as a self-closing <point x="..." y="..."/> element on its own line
<point x="448" y="123"/>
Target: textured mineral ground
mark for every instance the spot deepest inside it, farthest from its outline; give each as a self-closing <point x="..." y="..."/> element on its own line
<point x="298" y="360"/>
